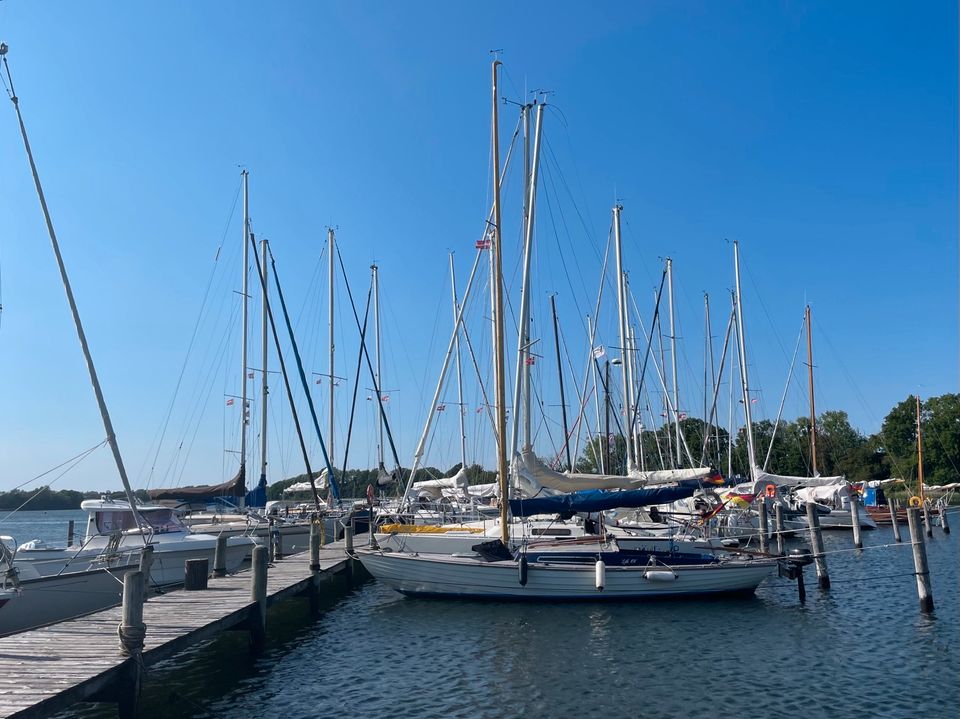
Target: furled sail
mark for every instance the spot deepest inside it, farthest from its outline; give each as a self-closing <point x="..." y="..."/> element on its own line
<point x="788" y="481"/>
<point x="235" y="487"/>
<point x="542" y="475"/>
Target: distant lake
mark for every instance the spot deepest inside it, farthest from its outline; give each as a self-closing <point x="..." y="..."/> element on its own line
<point x="50" y="526"/>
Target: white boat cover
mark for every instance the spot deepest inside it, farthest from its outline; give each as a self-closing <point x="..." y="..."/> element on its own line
<point x="884" y="482"/>
<point x="830" y="494"/>
<point x="435" y="487"/>
<point x="529" y="467"/>
<point x="788" y="481"/>
<point x="478" y="491"/>
<point x="320" y="481"/>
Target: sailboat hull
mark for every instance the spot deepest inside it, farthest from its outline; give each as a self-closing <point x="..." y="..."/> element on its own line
<point x="45" y="600"/>
<point x="468" y="578"/>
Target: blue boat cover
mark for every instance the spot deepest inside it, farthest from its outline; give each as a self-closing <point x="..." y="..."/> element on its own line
<point x="598" y="500"/>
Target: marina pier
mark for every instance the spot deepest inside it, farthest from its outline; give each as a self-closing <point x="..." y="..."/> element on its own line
<point x="46" y="670"/>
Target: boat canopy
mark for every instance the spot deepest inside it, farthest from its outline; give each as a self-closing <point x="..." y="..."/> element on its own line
<point x="598" y="500"/>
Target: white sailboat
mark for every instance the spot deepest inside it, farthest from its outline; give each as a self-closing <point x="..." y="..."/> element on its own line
<point x="558" y="570"/>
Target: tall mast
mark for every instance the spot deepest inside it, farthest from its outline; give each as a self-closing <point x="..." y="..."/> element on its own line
<point x="496" y="287"/>
<point x="673" y="362"/>
<point x="563" y="401"/>
<point x="733" y="304"/>
<point x="813" y="411"/>
<point x="744" y="379"/>
<point x="636" y="425"/>
<point x="524" y="357"/>
<point x="920" y="455"/>
<point x="622" y="316"/>
<point x="666" y="398"/>
<point x="376" y="326"/>
<point x="330" y="250"/>
<point x="91" y="369"/>
<point x="596" y="393"/>
<point x="245" y="297"/>
<point x="264" y="385"/>
<point x="456" y="329"/>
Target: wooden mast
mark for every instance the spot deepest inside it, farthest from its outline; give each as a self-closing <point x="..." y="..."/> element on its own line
<point x="813" y="411"/>
<point x="496" y="289"/>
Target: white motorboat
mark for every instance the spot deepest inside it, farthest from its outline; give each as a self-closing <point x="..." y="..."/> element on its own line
<point x="113" y="539"/>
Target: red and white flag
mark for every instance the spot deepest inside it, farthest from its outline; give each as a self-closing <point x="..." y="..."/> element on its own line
<point x="230" y="402"/>
<point x="441" y="408"/>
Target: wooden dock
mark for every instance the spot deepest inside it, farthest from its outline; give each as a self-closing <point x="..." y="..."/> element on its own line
<point x="44" y="671"/>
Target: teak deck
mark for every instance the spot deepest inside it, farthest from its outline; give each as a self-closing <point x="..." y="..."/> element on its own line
<point x="43" y="671"/>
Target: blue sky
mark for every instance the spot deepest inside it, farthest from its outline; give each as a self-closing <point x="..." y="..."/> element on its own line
<point x="821" y="135"/>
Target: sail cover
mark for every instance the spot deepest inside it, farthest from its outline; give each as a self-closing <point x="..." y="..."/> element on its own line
<point x="543" y="476"/>
<point x="435" y="487"/>
<point x="787" y="481"/>
<point x="236" y="487"/>
<point x="597" y="500"/>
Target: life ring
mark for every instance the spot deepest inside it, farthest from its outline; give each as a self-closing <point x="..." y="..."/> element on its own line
<point x="771" y="490"/>
<point x="915" y="502"/>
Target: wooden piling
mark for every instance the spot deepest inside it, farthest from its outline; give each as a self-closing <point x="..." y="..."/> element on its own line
<point x="276" y="545"/>
<point x="258" y="595"/>
<point x="146" y="562"/>
<point x="927" y="526"/>
<point x="944" y="522"/>
<point x="70" y="527"/>
<point x="220" y="557"/>
<point x="764" y="528"/>
<point x="924" y="590"/>
<point x="195" y="573"/>
<point x="313" y="593"/>
<point x="132" y="629"/>
<point x="816" y="543"/>
<point x="348" y="538"/>
<point x="894" y="522"/>
<point x="778" y="525"/>
<point x="855" y="521"/>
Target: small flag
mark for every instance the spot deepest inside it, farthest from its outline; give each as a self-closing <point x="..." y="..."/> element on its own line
<point x="318" y="381"/>
<point x="531" y="360"/>
<point x="754" y="400"/>
<point x="249" y="375"/>
<point x="385" y="398"/>
<point x="483" y="244"/>
<point x="441" y="408"/>
<point x="479" y="410"/>
<point x="230" y="402"/>
<point x="683" y="415"/>
<point x="598" y="352"/>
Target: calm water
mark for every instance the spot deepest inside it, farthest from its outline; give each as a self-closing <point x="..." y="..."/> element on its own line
<point x="861" y="649"/>
<point x="48" y="526"/>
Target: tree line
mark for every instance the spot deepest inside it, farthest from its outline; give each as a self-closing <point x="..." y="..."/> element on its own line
<point x="785" y="447"/>
<point x="841" y="450"/>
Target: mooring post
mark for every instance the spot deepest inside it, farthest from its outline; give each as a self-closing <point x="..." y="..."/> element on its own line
<point x="778" y="523"/>
<point x="894" y="522"/>
<point x="855" y="521"/>
<point x="276" y="545"/>
<point x="146" y="562"/>
<point x="70" y="526"/>
<point x="927" y="527"/>
<point x="816" y="543"/>
<point x="195" y="574"/>
<point x="348" y="538"/>
<point x="764" y="529"/>
<point x="258" y="595"/>
<point x="921" y="570"/>
<point x="313" y="594"/>
<point x="132" y="632"/>
<point x="944" y="522"/>
<point x="220" y="557"/>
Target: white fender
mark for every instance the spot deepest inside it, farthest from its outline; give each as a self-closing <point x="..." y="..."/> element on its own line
<point x="601" y="575"/>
